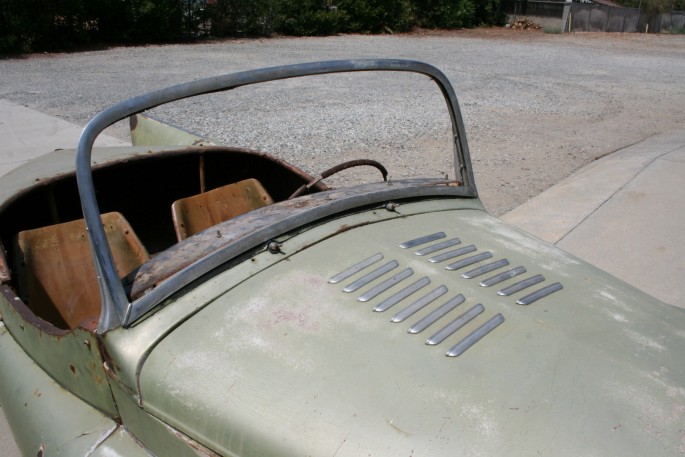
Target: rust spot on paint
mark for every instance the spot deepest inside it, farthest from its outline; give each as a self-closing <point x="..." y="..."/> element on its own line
<point x="133" y="122"/>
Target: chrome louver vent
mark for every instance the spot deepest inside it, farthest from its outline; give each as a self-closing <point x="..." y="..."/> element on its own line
<point x="413" y="295"/>
<point x="477" y="257"/>
<point x="448" y="326"/>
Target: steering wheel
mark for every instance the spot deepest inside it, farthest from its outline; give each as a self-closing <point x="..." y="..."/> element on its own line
<point x="336" y="169"/>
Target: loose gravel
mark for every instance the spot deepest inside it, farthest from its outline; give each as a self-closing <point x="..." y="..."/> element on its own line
<point x="536" y="106"/>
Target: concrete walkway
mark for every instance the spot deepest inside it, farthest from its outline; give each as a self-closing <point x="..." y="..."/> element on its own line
<point x="624" y="213"/>
<point x="27" y="133"/>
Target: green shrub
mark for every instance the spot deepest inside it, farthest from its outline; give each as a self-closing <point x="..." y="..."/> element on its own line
<point x="47" y="25"/>
<point x="242" y="17"/>
<point x="308" y="17"/>
<point x="489" y="12"/>
<point x="444" y="14"/>
<point x="50" y="25"/>
<point x="44" y="25"/>
<point x="155" y="20"/>
<point x="377" y="16"/>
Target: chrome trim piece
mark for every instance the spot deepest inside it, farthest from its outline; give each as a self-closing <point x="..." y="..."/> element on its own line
<point x="367" y="278"/>
<point x="475" y="336"/>
<point x="538" y="294"/>
<point x="419" y="304"/>
<point x="422" y="240"/>
<point x="385" y="285"/>
<point x="521" y="285"/>
<point x="436" y="315"/>
<point x="452" y="254"/>
<point x="356" y="268"/>
<point x="455" y="325"/>
<point x="438" y="246"/>
<point x="503" y="276"/>
<point x="488" y="267"/>
<point x="402" y="294"/>
<point x="468" y="261"/>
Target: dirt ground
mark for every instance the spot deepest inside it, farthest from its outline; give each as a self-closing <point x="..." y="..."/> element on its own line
<point x="634" y="94"/>
<point x="537" y="106"/>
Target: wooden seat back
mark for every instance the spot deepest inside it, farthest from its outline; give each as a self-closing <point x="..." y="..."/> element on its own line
<point x="199" y="212"/>
<point x="56" y="273"/>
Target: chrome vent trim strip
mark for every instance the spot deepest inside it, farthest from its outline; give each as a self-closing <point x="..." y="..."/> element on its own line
<point x="385" y="285"/>
<point x="402" y="294"/>
<point x="468" y="261"/>
<point x="422" y="240"/>
<point x="538" y="294"/>
<point x="455" y="325"/>
<point x="367" y="278"/>
<point x="503" y="276"/>
<point x="519" y="286"/>
<point x="487" y="268"/>
<point x="475" y="336"/>
<point x="436" y="315"/>
<point x="419" y="304"/>
<point x="438" y="246"/>
<point x="356" y="268"/>
<point x="452" y="254"/>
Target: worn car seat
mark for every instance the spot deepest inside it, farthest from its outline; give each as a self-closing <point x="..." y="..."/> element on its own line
<point x="56" y="274"/>
<point x="199" y="212"/>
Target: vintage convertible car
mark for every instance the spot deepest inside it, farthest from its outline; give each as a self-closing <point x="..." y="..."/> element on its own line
<point x="180" y="297"/>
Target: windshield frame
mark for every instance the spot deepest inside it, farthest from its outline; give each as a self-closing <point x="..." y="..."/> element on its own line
<point x="117" y="309"/>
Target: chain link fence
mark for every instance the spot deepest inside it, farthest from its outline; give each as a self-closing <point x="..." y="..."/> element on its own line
<point x="590" y="17"/>
<point x="594" y="17"/>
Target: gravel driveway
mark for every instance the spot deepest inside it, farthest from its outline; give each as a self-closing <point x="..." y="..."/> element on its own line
<point x="536" y="106"/>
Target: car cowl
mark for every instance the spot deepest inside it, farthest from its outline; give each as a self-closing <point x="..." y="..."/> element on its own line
<point x="293" y="360"/>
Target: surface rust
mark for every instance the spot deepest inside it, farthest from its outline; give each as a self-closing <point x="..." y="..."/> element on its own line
<point x="194" y="248"/>
<point x="28" y="316"/>
<point x="5" y="275"/>
<point x="192" y="443"/>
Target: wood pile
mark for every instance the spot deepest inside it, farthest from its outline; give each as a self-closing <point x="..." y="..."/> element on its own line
<point x="525" y="24"/>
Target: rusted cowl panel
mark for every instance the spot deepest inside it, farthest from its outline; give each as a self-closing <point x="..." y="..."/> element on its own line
<point x="250" y="230"/>
<point x="73" y="358"/>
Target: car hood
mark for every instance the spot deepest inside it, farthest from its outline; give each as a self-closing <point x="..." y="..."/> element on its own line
<point x="289" y="363"/>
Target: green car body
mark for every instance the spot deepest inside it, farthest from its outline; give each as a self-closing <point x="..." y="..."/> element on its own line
<point x="387" y="319"/>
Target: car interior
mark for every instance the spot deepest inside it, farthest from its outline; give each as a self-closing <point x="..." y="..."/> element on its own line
<point x="148" y="203"/>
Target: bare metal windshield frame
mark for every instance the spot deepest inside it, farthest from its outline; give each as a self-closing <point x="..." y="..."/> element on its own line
<point x="116" y="307"/>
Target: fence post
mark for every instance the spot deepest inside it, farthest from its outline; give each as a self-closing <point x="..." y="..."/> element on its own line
<point x="565" y="16"/>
